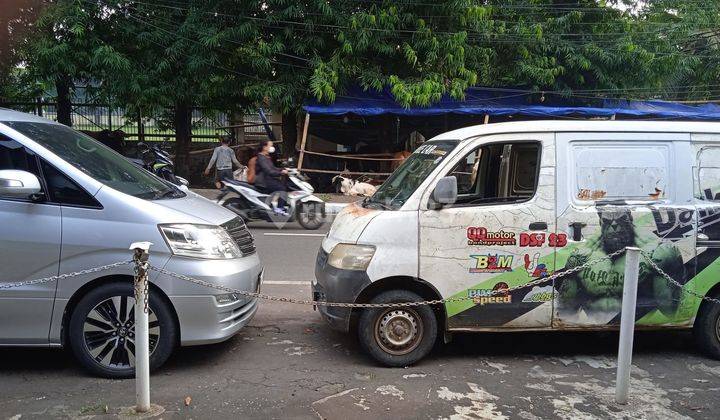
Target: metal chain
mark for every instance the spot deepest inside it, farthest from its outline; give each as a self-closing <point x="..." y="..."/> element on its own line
<point x="263" y="296"/>
<point x="672" y="281"/>
<point x="141" y="271"/>
<point x="63" y="276"/>
<point x="141" y="277"/>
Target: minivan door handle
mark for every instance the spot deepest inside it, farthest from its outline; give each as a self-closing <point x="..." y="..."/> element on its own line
<point x="577" y="230"/>
<point x="538" y="226"/>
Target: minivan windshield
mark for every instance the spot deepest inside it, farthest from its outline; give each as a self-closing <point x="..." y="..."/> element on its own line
<point x="393" y="193"/>
<point x="97" y="160"/>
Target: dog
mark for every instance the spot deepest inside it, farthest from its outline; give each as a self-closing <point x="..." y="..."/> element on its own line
<point x="351" y="187"/>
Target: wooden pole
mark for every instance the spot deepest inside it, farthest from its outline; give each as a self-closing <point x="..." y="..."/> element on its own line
<point x="487" y="119"/>
<point x="302" y="142"/>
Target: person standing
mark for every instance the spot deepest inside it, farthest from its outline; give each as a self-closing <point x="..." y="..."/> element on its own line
<point x="223" y="158"/>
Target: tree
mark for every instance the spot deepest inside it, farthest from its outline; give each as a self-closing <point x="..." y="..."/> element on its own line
<point x="690" y="35"/>
<point x="70" y="45"/>
<point x="16" y="21"/>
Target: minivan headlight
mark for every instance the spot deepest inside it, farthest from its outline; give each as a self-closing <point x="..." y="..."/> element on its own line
<point x="200" y="241"/>
<point x="351" y="257"/>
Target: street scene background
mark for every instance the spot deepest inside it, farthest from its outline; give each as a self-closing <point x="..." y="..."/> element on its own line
<point x="288" y="364"/>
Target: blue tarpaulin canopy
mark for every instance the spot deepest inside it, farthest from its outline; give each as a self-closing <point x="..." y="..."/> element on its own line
<point x="505" y="102"/>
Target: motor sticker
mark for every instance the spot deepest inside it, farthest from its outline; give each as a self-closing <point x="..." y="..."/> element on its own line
<point x="533" y="268"/>
<point x="481" y="236"/>
<point x="539" y="294"/>
<point x="498" y="294"/>
<point x="532" y="239"/>
<point x="497" y="263"/>
<point x="557" y="240"/>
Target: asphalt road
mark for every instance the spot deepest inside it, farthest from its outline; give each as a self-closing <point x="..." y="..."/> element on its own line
<point x="287" y="364"/>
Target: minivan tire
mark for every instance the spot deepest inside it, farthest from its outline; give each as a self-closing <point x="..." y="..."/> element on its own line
<point x="167" y="335"/>
<point x="376" y="334"/>
<point x="707" y="328"/>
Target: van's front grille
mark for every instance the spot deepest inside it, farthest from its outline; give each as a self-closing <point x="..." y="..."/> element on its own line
<point x="241" y="235"/>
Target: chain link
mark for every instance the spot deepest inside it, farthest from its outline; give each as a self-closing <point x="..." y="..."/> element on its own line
<point x="142" y="267"/>
<point x="258" y="295"/>
<point x="141" y="277"/>
<point x="63" y="276"/>
<point x="672" y="281"/>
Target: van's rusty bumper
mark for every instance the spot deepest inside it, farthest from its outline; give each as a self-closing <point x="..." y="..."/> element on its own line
<point x="335" y="285"/>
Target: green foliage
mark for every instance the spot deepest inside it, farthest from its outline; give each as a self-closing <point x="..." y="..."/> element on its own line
<point x="229" y="54"/>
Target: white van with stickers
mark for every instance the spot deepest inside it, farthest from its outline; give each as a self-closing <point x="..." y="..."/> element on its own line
<point x="478" y="213"/>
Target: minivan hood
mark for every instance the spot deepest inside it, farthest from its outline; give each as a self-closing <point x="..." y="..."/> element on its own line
<point x="198" y="207"/>
<point x="349" y="224"/>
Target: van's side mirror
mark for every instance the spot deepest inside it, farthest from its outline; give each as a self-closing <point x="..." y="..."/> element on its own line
<point x="445" y="193"/>
<point x="183" y="182"/>
<point x="18" y="184"/>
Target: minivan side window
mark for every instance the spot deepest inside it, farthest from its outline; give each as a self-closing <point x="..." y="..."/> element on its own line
<point x="63" y="190"/>
<point x="498" y="173"/>
<point x="708" y="174"/>
<point x="612" y="171"/>
<point x="14" y="155"/>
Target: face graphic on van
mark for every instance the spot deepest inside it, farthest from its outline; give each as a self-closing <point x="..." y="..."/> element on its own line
<point x="597" y="289"/>
<point x="617" y="230"/>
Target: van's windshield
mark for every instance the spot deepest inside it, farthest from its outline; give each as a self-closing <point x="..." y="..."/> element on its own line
<point x="97" y="160"/>
<point x="393" y="193"/>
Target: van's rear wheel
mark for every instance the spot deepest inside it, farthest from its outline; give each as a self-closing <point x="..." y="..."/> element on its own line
<point x="398" y="336"/>
<point x="707" y="328"/>
<point x="102" y="331"/>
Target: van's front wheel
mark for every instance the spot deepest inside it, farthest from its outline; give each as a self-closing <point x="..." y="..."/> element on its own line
<point x="707" y="328"/>
<point x="398" y="336"/>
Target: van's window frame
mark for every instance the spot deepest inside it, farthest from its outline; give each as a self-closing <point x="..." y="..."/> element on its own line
<point x="31" y="155"/>
<point x="44" y="187"/>
<point x="48" y="194"/>
<point x="698" y="191"/>
<point x="463" y="155"/>
<point x="608" y="201"/>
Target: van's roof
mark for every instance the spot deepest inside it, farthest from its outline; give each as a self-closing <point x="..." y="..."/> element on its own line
<point x="11" y="115"/>
<point x="584" y="125"/>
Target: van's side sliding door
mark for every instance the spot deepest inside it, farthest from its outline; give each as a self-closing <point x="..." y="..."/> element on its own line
<point x="617" y="190"/>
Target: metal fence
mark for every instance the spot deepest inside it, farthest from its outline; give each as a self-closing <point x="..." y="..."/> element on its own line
<point x="206" y="125"/>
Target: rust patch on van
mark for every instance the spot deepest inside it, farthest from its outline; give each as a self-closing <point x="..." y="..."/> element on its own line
<point x="656" y="195"/>
<point x="357" y="211"/>
<point x="587" y="194"/>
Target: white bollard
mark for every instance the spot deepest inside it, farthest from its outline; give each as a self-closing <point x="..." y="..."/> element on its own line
<point x="142" y="338"/>
<point x="627" y="323"/>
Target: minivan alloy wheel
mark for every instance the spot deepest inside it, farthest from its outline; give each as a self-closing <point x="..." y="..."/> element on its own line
<point x="109" y="332"/>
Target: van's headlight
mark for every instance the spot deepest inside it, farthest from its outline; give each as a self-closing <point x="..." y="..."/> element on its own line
<point x="351" y="257"/>
<point x="200" y="241"/>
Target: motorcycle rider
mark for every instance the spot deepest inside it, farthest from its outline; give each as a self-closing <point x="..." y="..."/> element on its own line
<point x="268" y="177"/>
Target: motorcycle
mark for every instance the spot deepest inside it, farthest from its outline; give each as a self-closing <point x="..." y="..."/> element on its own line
<point x="251" y="204"/>
<point x="156" y="160"/>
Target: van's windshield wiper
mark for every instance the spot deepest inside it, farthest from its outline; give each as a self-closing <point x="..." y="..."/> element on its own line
<point x="171" y="193"/>
<point x="369" y="200"/>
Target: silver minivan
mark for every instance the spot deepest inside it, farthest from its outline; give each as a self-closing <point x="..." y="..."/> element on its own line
<point x="68" y="203"/>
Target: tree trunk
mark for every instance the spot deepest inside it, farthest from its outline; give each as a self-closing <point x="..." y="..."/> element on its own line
<point x="289" y="133"/>
<point x="63" y="85"/>
<point x="183" y="138"/>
